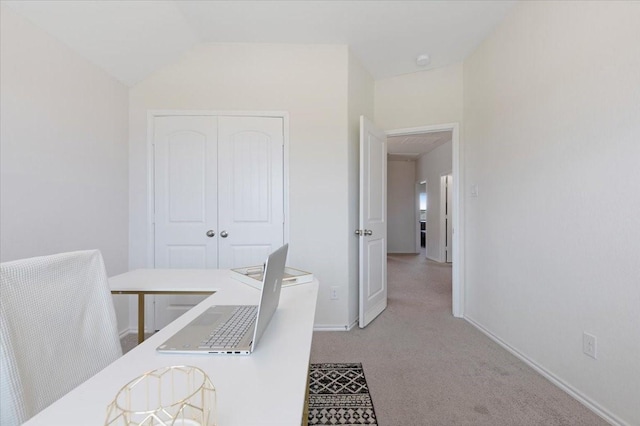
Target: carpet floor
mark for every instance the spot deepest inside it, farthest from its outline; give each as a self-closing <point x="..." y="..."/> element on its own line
<point x="425" y="367"/>
<point x="339" y="395"/>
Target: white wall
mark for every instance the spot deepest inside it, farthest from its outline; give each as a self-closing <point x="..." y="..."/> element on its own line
<point x="552" y="131"/>
<point x="361" y="102"/>
<point x="419" y="99"/>
<point x="64" y="151"/>
<point x="308" y="81"/>
<point x="402" y="216"/>
<point x="431" y="167"/>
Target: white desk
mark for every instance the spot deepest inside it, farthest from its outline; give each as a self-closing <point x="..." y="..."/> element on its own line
<point x="265" y="388"/>
<point x="141" y="283"/>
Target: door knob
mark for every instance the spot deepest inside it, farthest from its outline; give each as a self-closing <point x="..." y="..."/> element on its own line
<point x="210" y="233"/>
<point x="224" y="234"/>
<point x="368" y="232"/>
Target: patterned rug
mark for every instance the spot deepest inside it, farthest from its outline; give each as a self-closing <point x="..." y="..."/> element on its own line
<point x="339" y="395"/>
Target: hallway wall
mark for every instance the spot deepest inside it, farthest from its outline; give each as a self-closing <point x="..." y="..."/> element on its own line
<point x="430" y="167"/>
<point x="401" y="206"/>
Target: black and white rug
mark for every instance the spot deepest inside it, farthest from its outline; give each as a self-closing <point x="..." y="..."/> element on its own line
<point x="339" y="395"/>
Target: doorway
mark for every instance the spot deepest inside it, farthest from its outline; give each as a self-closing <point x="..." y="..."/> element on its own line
<point x="421" y="214"/>
<point x="455" y="207"/>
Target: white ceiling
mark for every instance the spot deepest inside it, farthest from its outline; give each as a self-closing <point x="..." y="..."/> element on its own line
<point x="412" y="147"/>
<point x="131" y="38"/>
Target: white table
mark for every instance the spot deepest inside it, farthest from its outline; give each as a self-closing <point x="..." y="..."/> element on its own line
<point x="265" y="388"/>
<point x="123" y="285"/>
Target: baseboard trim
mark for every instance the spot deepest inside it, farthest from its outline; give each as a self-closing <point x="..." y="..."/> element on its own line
<point x="329" y="327"/>
<point x="590" y="404"/>
<point x="126" y="332"/>
<point x="326" y="327"/>
<point x="353" y="324"/>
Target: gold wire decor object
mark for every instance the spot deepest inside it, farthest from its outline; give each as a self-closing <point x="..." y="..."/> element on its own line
<point x="170" y="396"/>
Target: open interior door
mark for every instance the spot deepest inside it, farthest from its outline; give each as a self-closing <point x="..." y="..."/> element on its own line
<point x="448" y="212"/>
<point x="373" y="222"/>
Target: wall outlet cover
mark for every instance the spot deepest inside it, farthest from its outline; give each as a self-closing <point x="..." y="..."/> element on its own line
<point x="589" y="345"/>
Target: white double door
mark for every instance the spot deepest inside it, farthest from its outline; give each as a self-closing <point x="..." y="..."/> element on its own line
<point x="219" y="196"/>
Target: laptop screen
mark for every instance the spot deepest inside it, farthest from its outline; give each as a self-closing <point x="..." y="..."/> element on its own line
<point x="271" y="287"/>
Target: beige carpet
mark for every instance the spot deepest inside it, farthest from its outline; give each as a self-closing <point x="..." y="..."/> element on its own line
<point x="425" y="367"/>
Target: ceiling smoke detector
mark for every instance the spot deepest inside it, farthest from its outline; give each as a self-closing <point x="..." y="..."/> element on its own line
<point x="423" y="60"/>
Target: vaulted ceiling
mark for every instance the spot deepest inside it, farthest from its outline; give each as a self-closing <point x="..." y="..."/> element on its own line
<point x="131" y="38"/>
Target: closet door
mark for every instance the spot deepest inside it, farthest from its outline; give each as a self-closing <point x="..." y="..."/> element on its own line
<point x="185" y="192"/>
<point x="250" y="189"/>
<point x="219" y="197"/>
<point x="186" y="214"/>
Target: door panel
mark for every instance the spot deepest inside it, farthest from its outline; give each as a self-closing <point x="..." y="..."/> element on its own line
<point x="250" y="255"/>
<point x="250" y="189"/>
<point x="186" y="257"/>
<point x="185" y="169"/>
<point x="375" y="258"/>
<point x="186" y="176"/>
<point x="185" y="192"/>
<point x="373" y="222"/>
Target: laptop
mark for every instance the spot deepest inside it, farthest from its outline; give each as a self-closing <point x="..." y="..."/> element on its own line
<point x="233" y="329"/>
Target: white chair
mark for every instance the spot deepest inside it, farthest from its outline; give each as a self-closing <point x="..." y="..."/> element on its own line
<point x="58" y="328"/>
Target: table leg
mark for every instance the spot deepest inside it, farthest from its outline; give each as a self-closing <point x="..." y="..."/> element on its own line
<point x="140" y="317"/>
<point x="305" y="410"/>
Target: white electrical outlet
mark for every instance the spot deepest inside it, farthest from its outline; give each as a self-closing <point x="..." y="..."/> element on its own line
<point x="589" y="345"/>
<point x="334" y="293"/>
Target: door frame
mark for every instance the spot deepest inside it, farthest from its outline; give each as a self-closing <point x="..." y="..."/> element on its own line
<point x="151" y="115"/>
<point x="457" y="268"/>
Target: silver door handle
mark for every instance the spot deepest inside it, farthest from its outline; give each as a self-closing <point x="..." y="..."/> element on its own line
<point x="210" y="233"/>
<point x="224" y="234"/>
<point x="368" y="232"/>
<point x="359" y="232"/>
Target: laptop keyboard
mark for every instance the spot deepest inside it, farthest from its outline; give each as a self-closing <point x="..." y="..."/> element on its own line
<point x="228" y="334"/>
